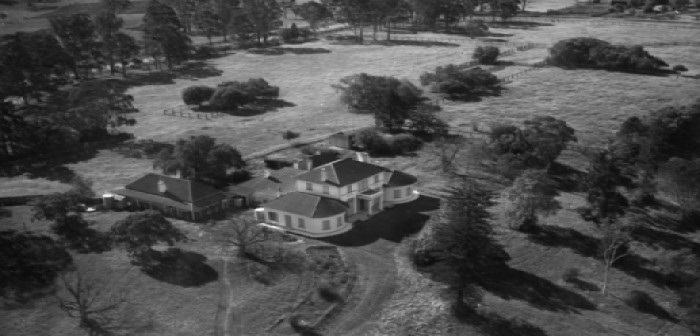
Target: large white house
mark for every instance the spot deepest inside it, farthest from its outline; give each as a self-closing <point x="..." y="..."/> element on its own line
<point x="329" y="198"/>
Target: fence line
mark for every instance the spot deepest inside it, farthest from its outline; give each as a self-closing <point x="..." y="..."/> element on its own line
<point x="184" y="111"/>
<point x="609" y="22"/>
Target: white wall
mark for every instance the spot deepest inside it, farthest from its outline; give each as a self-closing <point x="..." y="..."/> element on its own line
<point x="312" y="226"/>
<point x="406" y="194"/>
<point x="341" y="193"/>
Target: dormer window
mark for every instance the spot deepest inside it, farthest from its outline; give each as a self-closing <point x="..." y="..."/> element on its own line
<point x="376" y="178"/>
<point x="309" y="186"/>
<point x="162" y="187"/>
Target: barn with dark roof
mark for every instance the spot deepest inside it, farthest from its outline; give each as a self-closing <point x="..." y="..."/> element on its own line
<point x="174" y="197"/>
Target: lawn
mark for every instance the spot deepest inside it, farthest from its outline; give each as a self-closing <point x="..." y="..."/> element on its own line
<point x="154" y="307"/>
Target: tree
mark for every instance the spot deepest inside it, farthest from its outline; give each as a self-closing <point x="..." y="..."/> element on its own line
<point x="424" y="121"/>
<point x="29" y="262"/>
<point x="209" y="23"/>
<point x="230" y="16"/>
<point x="446" y="149"/>
<point x="108" y="24"/>
<point x="32" y="64"/>
<point x="615" y="244"/>
<point x="465" y="240"/>
<point x="461" y="83"/>
<point x="508" y="8"/>
<point x="138" y="232"/>
<point x="125" y="49"/>
<point x="77" y="34"/>
<point x="602" y="182"/>
<point x="388" y="98"/>
<point x="90" y="108"/>
<point x="264" y="15"/>
<point x="532" y="193"/>
<point x="586" y="52"/>
<point x="548" y="137"/>
<point x="196" y="95"/>
<point x="164" y="34"/>
<point x="313" y="13"/>
<point x="680" y="178"/>
<point x="229" y="98"/>
<point x="200" y="158"/>
<point x="55" y="206"/>
<point x="87" y="301"/>
<point x="246" y="234"/>
<point x="451" y="11"/>
<point x="486" y="55"/>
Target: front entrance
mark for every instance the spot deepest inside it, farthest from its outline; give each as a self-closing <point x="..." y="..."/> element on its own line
<point x="288" y="221"/>
<point x="362" y="205"/>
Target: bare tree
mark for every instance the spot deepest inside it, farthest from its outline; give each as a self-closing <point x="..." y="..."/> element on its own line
<point x="446" y="149"/>
<point x="246" y="234"/>
<point x="89" y="302"/>
<point x="615" y="244"/>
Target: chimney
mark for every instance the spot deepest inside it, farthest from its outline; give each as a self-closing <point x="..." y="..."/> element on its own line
<point x="279" y="192"/>
<point x="178" y="173"/>
<point x="360" y="156"/>
<point x="266" y="173"/>
<point x="162" y="188"/>
<point x="324" y="174"/>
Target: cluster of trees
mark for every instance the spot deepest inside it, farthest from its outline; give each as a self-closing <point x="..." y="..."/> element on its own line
<point x="486" y="55"/>
<point x="229" y="96"/>
<point x="396" y="104"/>
<point x="294" y="34"/>
<point x="246" y="19"/>
<point x="378" y="144"/>
<point x="200" y="158"/>
<point x="459" y="82"/>
<point x="586" y="52"/>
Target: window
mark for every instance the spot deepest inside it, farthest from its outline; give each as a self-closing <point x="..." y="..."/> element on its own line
<point x="260" y="215"/>
<point x="376" y="178"/>
<point x="408" y="191"/>
<point x="309" y="186"/>
<point x="363" y="185"/>
<point x="302" y="225"/>
<point x="340" y="221"/>
<point x="349" y="188"/>
<point x="327" y="224"/>
<point x="326" y="189"/>
<point x="397" y="193"/>
<point x="272" y="217"/>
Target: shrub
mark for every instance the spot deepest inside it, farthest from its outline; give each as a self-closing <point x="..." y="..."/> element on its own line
<point x="229" y="98"/>
<point x="300" y="325"/>
<point x="571" y="275"/>
<point x="680" y="68"/>
<point x="486" y="55"/>
<point x="291" y="33"/>
<point x="259" y="87"/>
<point x="586" y="52"/>
<point x="238" y="176"/>
<point x="373" y="142"/>
<point x="460" y="83"/>
<point x="405" y="143"/>
<point x="196" y="95"/>
<point x="289" y="135"/>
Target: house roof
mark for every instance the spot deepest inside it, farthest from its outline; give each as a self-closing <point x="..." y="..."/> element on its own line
<point x="400" y="179"/>
<point x="342" y="172"/>
<point x="152" y="198"/>
<point x="323" y="158"/>
<point x="180" y="190"/>
<point x="284" y="179"/>
<point x="307" y="205"/>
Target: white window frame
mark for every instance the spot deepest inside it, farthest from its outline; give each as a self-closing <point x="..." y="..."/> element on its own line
<point x="340" y="221"/>
<point x="309" y="186"/>
<point x="326" y="224"/>
<point x="397" y="193"/>
<point x="276" y="215"/>
<point x="326" y="189"/>
<point x="301" y="223"/>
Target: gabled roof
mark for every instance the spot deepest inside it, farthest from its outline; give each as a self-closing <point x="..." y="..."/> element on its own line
<point x="284" y="179"/>
<point x="178" y="189"/>
<point x="400" y="179"/>
<point x="343" y="172"/>
<point x="307" y="205"/>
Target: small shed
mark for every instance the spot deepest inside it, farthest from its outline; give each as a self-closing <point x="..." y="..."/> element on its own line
<point x="342" y="140"/>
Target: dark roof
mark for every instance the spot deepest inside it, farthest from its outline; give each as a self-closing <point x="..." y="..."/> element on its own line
<point x="400" y="179"/>
<point x="307" y="205"/>
<point x="284" y="179"/>
<point x="343" y="172"/>
<point x="153" y="198"/>
<point x="323" y="158"/>
<point x="178" y="189"/>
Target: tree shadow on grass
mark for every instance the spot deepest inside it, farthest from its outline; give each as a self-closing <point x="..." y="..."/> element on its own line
<point x="149" y="78"/>
<point x="632" y="264"/>
<point x="665" y="240"/>
<point x="178" y="267"/>
<point x="197" y="70"/>
<point x="399" y="42"/>
<point x="644" y="303"/>
<point x="492" y="324"/>
<point x="565" y="177"/>
<point x="281" y="51"/>
<point x="584" y="285"/>
<point x="510" y="283"/>
<point x="260" y="106"/>
<point x="526" y="25"/>
<point x="90" y="241"/>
